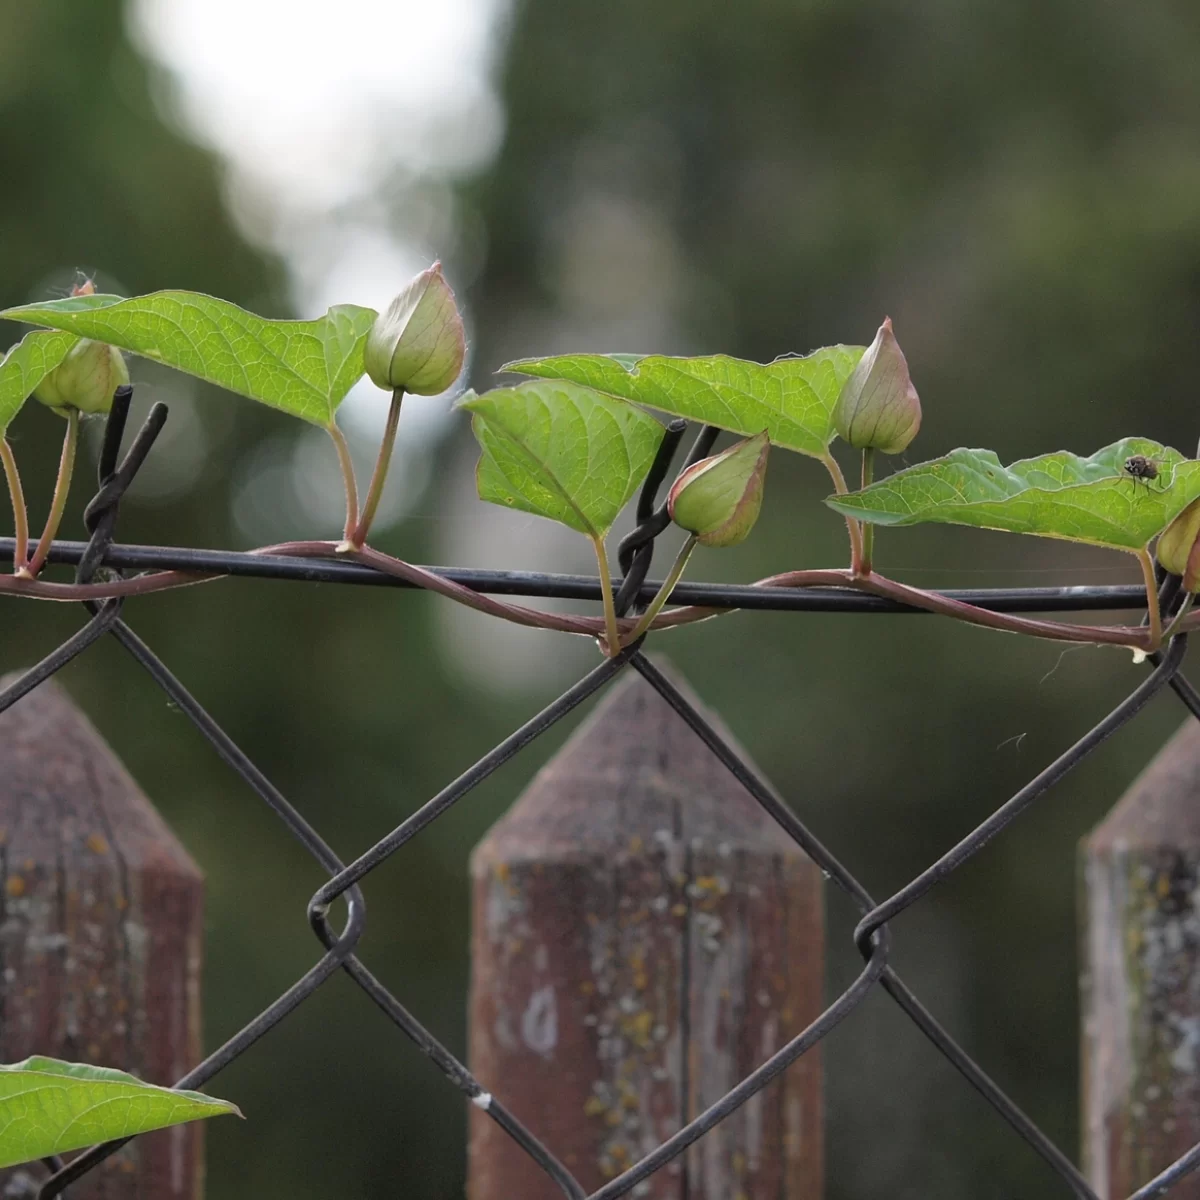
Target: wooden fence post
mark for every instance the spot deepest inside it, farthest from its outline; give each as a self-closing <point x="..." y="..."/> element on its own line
<point x="1141" y="983"/>
<point x="100" y="934"/>
<point x="644" y="936"/>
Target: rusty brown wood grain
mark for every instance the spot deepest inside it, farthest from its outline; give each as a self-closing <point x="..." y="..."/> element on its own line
<point x="644" y="936"/>
<point x="100" y="933"/>
<point x="1140" y="879"/>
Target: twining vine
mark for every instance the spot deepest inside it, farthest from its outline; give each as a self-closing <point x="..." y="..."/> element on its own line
<point x="572" y="443"/>
<point x="575" y="440"/>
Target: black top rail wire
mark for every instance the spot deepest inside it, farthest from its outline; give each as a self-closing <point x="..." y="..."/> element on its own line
<point x="101" y="558"/>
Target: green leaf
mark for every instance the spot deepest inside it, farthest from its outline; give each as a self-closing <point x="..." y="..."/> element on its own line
<point x="25" y="366"/>
<point x="792" y="398"/>
<point x="48" y="1107"/>
<point x="302" y="367"/>
<point x="561" y="451"/>
<point x="1093" y="500"/>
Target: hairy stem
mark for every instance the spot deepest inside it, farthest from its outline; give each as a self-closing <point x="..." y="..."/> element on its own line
<point x="1134" y="637"/>
<point x="379" y="475"/>
<point x="62" y="485"/>
<point x="1112" y="635"/>
<point x="879" y="585"/>
<point x="868" y="530"/>
<point x="516" y="613"/>
<point x="1152" y="610"/>
<point x="612" y="634"/>
<point x="852" y="526"/>
<point x="20" y="515"/>
<point x="664" y="592"/>
<point x="73" y="593"/>
<point x="344" y="461"/>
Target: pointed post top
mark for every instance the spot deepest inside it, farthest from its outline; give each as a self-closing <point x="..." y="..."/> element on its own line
<point x="50" y="751"/>
<point x="633" y="774"/>
<point x="1162" y="806"/>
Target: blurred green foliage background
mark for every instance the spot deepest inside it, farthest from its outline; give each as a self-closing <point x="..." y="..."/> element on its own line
<point x="1015" y="183"/>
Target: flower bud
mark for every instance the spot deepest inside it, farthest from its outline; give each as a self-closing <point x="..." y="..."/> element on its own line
<point x="418" y="344"/>
<point x="1178" y="547"/>
<point x="878" y="407"/>
<point x="85" y="379"/>
<point x="718" y="499"/>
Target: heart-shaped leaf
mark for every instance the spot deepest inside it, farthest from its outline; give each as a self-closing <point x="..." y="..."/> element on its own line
<point x="26" y="365"/>
<point x="792" y="398"/>
<point x="1094" y="500"/>
<point x="48" y="1107"/>
<point x="561" y="451"/>
<point x="302" y="367"/>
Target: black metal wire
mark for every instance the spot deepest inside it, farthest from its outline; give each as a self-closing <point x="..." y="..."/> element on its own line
<point x="1011" y="809"/>
<point x="100" y="558"/>
<point x="537" y="584"/>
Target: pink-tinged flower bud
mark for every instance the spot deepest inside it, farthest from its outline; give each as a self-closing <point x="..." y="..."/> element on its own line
<point x="418" y="344"/>
<point x="1178" y="547"/>
<point x="718" y="499"/>
<point x="878" y="407"/>
<point x="85" y="379"/>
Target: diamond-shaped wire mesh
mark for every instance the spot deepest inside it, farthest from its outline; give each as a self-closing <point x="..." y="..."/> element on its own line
<point x="100" y="559"/>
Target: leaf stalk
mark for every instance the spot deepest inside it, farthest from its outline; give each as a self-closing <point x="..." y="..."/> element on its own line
<point x="62" y="486"/>
<point x="612" y="633"/>
<point x="852" y="526"/>
<point x="20" y="514"/>
<point x="347" y="466"/>
<point x="1154" y="614"/>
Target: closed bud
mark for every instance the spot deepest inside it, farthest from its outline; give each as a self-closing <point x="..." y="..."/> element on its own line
<point x="878" y="407"/>
<point x="85" y="379"/>
<point x="718" y="499"/>
<point x="418" y="344"/>
<point x="1178" y="544"/>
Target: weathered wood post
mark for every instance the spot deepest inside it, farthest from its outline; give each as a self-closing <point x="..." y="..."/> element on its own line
<point x="100" y="933"/>
<point x="644" y="936"/>
<point x="1141" y="983"/>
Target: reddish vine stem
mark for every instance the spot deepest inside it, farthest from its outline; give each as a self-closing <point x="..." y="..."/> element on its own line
<point x="140" y="585"/>
<point x="518" y="614"/>
<point x="1134" y="637"/>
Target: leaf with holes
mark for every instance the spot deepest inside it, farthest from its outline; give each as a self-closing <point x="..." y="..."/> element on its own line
<point x="26" y="365"/>
<point x="48" y="1107"/>
<point x="562" y="452"/>
<point x="1094" y="500"/>
<point x="792" y="398"/>
<point x="302" y="367"/>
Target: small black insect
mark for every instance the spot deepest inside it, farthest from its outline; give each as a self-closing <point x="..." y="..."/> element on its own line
<point x="1141" y="469"/>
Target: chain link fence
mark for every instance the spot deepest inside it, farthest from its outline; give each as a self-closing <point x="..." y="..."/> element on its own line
<point x="102" y="560"/>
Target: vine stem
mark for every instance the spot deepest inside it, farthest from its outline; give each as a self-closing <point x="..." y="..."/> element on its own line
<point x="516" y="613"/>
<point x="347" y="465"/>
<point x="20" y="515"/>
<point x="852" y="526"/>
<point x="664" y="592"/>
<point x="62" y="485"/>
<point x="1133" y="637"/>
<point x="868" y="530"/>
<point x="612" y="634"/>
<point x="1152" y="609"/>
<point x="379" y="475"/>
